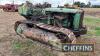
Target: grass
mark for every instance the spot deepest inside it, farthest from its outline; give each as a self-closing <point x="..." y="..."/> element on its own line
<point x="30" y="48"/>
<point x="93" y="26"/>
<point x="97" y="29"/>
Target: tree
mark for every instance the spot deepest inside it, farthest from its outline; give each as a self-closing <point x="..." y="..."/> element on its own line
<point x="89" y="4"/>
<point x="82" y="5"/>
<point x="96" y="6"/>
<point x="77" y="3"/>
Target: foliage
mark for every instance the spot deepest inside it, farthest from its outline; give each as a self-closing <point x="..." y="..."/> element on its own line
<point x="83" y="5"/>
<point x="96" y="6"/>
<point x="77" y="3"/>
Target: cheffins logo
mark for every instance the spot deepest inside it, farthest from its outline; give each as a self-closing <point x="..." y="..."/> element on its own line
<point x="78" y="47"/>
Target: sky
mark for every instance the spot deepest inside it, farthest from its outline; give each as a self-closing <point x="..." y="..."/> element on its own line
<point x="53" y="2"/>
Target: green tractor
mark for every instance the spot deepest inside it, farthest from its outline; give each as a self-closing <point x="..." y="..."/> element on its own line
<point x="52" y="26"/>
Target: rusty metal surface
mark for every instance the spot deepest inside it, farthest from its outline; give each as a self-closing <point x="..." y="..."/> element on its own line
<point x="66" y="31"/>
<point x="39" y="35"/>
<point x="69" y="34"/>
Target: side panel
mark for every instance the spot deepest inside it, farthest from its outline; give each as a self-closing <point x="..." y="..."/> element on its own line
<point x="81" y="19"/>
<point x="22" y="10"/>
<point x="76" y="21"/>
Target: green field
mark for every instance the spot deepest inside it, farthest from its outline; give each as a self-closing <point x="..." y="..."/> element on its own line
<point x="93" y="25"/>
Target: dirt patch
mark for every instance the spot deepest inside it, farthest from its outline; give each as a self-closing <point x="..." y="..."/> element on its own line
<point x="92" y="11"/>
<point x="6" y="31"/>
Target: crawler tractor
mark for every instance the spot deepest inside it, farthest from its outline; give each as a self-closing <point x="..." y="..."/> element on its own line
<point x="52" y="26"/>
<point x="10" y="8"/>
